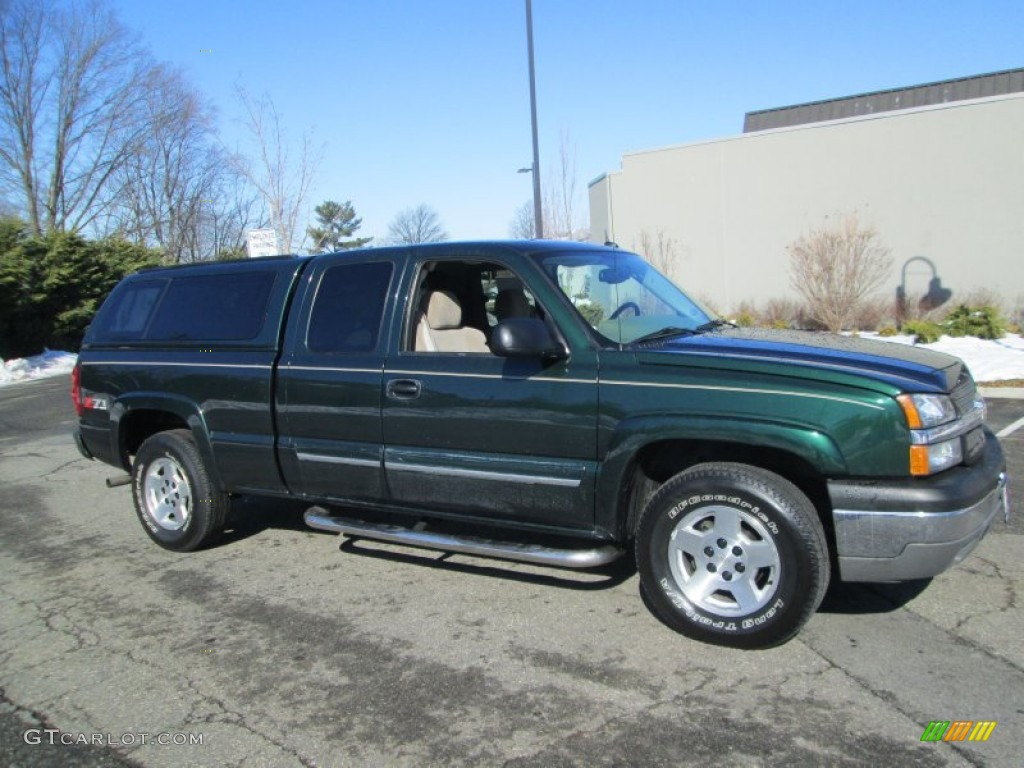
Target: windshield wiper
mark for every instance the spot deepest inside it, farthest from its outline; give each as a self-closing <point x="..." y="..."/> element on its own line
<point x="664" y="333"/>
<point x="712" y="325"/>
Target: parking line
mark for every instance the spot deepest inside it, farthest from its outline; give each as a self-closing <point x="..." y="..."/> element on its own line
<point x="1011" y="428"/>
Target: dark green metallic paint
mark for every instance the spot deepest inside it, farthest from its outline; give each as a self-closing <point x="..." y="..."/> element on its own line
<point x="867" y="428"/>
<point x="271" y="417"/>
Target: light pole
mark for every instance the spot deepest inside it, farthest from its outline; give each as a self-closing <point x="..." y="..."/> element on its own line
<point x="538" y="224"/>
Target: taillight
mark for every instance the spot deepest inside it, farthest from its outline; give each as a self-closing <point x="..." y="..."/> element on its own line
<point x="76" y="389"/>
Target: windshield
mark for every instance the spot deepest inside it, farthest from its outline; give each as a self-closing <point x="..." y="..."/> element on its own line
<point x="623" y="297"/>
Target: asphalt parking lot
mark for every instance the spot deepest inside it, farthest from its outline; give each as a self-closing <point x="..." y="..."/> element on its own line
<point x="277" y="649"/>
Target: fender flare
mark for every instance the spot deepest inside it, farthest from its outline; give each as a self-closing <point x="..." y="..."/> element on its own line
<point x="631" y="436"/>
<point x="181" y="407"/>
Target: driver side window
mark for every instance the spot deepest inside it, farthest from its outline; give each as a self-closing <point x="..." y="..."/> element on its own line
<point x="459" y="303"/>
<point x="507" y="297"/>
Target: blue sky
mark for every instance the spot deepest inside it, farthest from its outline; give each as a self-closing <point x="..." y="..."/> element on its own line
<point x="428" y="102"/>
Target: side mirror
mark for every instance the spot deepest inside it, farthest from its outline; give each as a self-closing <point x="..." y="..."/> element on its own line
<point x="525" y="337"/>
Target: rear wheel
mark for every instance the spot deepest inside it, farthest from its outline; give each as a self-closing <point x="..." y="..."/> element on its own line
<point x="174" y="498"/>
<point x="733" y="555"/>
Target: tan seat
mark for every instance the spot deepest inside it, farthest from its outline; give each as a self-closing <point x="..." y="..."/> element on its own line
<point x="440" y="327"/>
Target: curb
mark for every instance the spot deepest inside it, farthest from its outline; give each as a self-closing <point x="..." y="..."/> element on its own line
<point x="1002" y="393"/>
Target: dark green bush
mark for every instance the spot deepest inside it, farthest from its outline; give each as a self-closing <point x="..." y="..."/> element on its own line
<point x="983" y="322"/>
<point x="923" y="331"/>
<point x="51" y="285"/>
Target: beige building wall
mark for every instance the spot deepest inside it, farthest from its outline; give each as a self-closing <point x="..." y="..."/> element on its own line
<point x="943" y="182"/>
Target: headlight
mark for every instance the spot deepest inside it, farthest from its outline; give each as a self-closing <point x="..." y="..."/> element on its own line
<point x="935" y="430"/>
<point x="929" y="459"/>
<point x="927" y="411"/>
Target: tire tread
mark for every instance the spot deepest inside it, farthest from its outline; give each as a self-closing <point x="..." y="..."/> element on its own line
<point x="208" y="519"/>
<point x="786" y="495"/>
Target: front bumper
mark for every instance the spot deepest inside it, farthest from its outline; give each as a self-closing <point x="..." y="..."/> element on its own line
<point x="914" y="529"/>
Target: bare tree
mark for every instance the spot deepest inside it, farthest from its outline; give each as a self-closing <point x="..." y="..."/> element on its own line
<point x="72" y="82"/>
<point x="416" y="225"/>
<point x="559" y="199"/>
<point x="560" y="213"/>
<point x="179" y="191"/>
<point x="561" y="196"/>
<point x="521" y="227"/>
<point x="282" y="184"/>
<point x="659" y="251"/>
<point x="171" y="183"/>
<point x="236" y="210"/>
<point x="836" y="268"/>
<point x="216" y="213"/>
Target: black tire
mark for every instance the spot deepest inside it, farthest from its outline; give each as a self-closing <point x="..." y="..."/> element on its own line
<point x="174" y="498"/>
<point x="732" y="555"/>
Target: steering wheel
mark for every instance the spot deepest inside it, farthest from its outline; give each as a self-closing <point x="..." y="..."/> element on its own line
<point x="627" y="305"/>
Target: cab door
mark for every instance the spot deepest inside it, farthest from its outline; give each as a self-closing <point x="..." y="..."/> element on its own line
<point x="473" y="434"/>
<point x="329" y="381"/>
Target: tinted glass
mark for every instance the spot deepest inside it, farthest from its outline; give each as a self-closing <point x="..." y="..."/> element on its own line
<point x="222" y="307"/>
<point x="129" y="311"/>
<point x="348" y="308"/>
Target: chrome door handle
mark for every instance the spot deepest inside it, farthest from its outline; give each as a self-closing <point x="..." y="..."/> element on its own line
<point x="403" y="389"/>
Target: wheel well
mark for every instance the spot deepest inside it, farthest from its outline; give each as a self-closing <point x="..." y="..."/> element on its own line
<point x="139" y="425"/>
<point x="656" y="463"/>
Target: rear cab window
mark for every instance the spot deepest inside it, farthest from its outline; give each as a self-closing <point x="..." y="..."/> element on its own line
<point x="225" y="307"/>
<point x="348" y="309"/>
<point x="129" y="310"/>
<point x="233" y="304"/>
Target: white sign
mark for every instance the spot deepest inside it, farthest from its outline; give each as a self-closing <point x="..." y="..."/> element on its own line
<point x="262" y="242"/>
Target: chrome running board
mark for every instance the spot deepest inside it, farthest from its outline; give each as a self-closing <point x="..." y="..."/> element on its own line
<point x="321" y="519"/>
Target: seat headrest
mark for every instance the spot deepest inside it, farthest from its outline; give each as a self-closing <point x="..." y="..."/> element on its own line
<point x="511" y="302"/>
<point x="443" y="311"/>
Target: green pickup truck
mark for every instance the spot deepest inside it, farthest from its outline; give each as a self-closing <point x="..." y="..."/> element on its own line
<point x="548" y="402"/>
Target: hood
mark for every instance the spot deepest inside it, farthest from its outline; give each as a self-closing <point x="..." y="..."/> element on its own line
<point x="906" y="367"/>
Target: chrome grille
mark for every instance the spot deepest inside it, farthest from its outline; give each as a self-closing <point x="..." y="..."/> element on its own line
<point x="965" y="394"/>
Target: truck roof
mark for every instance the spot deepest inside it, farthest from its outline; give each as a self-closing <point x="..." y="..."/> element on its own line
<point x="525" y="247"/>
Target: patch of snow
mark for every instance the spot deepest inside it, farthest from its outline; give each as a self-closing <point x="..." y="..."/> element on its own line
<point x="44" y="366"/>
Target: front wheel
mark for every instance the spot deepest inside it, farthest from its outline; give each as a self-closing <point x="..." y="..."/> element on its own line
<point x="174" y="498"/>
<point x="733" y="555"/>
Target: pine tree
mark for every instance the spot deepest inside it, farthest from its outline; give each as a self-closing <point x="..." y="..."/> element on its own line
<point x="337" y="222"/>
